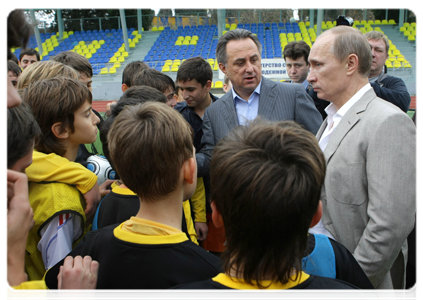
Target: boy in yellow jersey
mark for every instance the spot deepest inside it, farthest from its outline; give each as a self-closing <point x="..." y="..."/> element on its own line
<point x="265" y="188"/>
<point x="62" y="108"/>
<point x="152" y="150"/>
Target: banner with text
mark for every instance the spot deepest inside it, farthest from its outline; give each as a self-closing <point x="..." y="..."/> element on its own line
<point x="270" y="68"/>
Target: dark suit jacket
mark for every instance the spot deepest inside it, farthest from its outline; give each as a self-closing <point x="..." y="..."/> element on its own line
<point x="278" y="102"/>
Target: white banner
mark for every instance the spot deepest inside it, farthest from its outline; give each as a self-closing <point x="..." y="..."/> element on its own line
<point x="270" y="68"/>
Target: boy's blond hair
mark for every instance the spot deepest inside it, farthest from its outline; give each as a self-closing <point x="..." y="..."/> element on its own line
<point x="149" y="144"/>
<point x="44" y="70"/>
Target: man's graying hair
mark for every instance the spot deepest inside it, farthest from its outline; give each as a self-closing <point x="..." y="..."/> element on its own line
<point x="232" y="35"/>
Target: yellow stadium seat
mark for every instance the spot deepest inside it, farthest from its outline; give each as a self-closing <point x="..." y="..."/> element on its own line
<point x="101" y="42"/>
<point x="135" y="32"/>
<point x="85" y="51"/>
<point x="186" y="42"/>
<point x="113" y="59"/>
<point x="138" y="36"/>
<point x="218" y="85"/>
<point x="411" y="38"/>
<point x="193" y="42"/>
<point x="406" y="33"/>
<point x="174" y="68"/>
<point x="406" y="24"/>
<point x="94" y="42"/>
<point x="187" y="38"/>
<point x="377" y="22"/>
<point x="83" y="46"/>
<point x="112" y="70"/>
<point x="178" y="43"/>
<point x="81" y="43"/>
<point x="117" y="54"/>
<point x="180" y="38"/>
<point x="363" y="22"/>
<point x="161" y="28"/>
<point x="385" y="22"/>
<point x="125" y="54"/>
<point x="165" y="68"/>
<point x="154" y="28"/>
<point x="396" y="52"/>
<point x="79" y="51"/>
<point x="370" y="22"/>
<point x="216" y="67"/>
<point x="397" y="64"/>
<point x="224" y="31"/>
<point x="400" y="58"/>
<point x="121" y="59"/>
<point x="392" y="47"/>
<point x="403" y="28"/>
<point x="92" y="51"/>
<point x="132" y="45"/>
<point x="88" y="55"/>
<point x="116" y="65"/>
<point x="90" y="46"/>
<point x="227" y="26"/>
<point x="135" y="40"/>
<point x="104" y="71"/>
<point x="45" y="53"/>
<point x="391" y="58"/>
<point x="97" y="46"/>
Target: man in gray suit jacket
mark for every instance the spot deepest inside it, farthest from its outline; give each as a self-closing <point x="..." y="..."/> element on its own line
<point x="239" y="55"/>
<point x="369" y="198"/>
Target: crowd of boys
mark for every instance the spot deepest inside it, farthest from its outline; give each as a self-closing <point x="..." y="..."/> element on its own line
<point x="229" y="193"/>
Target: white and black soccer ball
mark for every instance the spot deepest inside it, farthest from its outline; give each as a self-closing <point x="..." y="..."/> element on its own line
<point x="101" y="167"/>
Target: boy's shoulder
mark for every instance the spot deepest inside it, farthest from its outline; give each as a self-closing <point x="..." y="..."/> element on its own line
<point x="316" y="288"/>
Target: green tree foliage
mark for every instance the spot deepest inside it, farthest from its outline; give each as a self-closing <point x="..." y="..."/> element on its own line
<point x="108" y="17"/>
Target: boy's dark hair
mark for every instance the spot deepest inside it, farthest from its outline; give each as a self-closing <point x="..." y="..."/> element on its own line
<point x="18" y="31"/>
<point x="195" y="68"/>
<point x="12" y="66"/>
<point x="132" y="96"/>
<point x="30" y="52"/>
<point x="22" y="131"/>
<point x="12" y="57"/>
<point x="55" y="100"/>
<point x="131" y="70"/>
<point x="266" y="180"/>
<point x="295" y="50"/>
<point x="149" y="143"/>
<point x="75" y="61"/>
<point x="155" y="79"/>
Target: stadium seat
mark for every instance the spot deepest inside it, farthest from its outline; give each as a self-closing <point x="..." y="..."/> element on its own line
<point x="104" y="71"/>
<point x="411" y="38"/>
<point x="165" y="68"/>
<point x="218" y="84"/>
<point x="121" y="59"/>
<point x="113" y="59"/>
<point x="112" y="70"/>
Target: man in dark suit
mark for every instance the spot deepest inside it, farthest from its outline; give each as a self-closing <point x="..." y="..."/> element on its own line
<point x="239" y="55"/>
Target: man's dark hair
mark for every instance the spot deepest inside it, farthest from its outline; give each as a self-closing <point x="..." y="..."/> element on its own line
<point x="266" y="180"/>
<point x="195" y="68"/>
<point x="233" y="35"/>
<point x="14" y="68"/>
<point x="30" y="52"/>
<point x="295" y="50"/>
<point x="155" y="79"/>
<point x="132" y="96"/>
<point x="18" y="31"/>
<point x="131" y="70"/>
<point x="75" y="61"/>
<point x="22" y="131"/>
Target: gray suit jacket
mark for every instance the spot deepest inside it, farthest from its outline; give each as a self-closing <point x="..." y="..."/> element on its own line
<point x="278" y="101"/>
<point x="369" y="194"/>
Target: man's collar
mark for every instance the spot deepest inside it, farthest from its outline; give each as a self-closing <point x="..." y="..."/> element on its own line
<point x="257" y="90"/>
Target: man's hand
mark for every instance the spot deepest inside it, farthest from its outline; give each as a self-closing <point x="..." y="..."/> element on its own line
<point x="201" y="229"/>
<point x="78" y="273"/>
<point x="19" y="222"/>
<point x="93" y="198"/>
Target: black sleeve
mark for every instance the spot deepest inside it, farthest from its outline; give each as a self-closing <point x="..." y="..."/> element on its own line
<point x="393" y="90"/>
<point x="347" y="268"/>
<point x="319" y="103"/>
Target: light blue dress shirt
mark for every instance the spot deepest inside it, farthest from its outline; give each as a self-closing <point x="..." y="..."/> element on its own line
<point x="247" y="110"/>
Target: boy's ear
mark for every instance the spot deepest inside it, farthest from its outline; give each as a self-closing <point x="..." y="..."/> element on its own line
<point x="59" y="131"/>
<point x="189" y="170"/>
<point x="317" y="215"/>
<point x="216" y="216"/>
<point x="124" y="87"/>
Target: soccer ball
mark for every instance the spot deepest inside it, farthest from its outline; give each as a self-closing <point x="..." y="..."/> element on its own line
<point x="101" y="167"/>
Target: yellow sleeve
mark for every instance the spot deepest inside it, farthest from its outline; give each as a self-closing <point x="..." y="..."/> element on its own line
<point x="53" y="167"/>
<point x="29" y="290"/>
<point x="198" y="201"/>
<point x="190" y="224"/>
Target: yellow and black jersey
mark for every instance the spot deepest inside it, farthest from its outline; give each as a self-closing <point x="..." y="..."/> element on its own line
<point x="130" y="260"/>
<point x="305" y="287"/>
